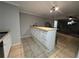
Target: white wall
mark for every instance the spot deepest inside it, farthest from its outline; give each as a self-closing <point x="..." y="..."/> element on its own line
<point x="9" y="20"/>
<point x="1" y="17"/>
<point x="28" y="20"/>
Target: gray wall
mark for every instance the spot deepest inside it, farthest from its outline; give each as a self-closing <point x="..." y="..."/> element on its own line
<point x="9" y="20"/>
<point x="26" y="22"/>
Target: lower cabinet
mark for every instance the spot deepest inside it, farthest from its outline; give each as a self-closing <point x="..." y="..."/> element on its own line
<point x="6" y="44"/>
<point x="1" y="50"/>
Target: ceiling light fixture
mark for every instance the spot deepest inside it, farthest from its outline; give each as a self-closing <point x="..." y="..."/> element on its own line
<point x="70" y="17"/>
<point x="51" y="11"/>
<point x="54" y="9"/>
<point x="71" y="20"/>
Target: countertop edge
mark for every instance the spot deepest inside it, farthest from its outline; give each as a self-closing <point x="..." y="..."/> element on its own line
<point x="3" y="37"/>
<point x="43" y="29"/>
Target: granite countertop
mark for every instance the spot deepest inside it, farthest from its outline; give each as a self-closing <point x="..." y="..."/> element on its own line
<point x="2" y="34"/>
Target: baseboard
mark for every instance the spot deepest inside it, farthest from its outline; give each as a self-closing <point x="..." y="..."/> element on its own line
<point x="18" y="43"/>
<point x="26" y="36"/>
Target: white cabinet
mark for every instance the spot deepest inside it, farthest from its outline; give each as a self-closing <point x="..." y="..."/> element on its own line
<point x="46" y="37"/>
<point x="6" y="44"/>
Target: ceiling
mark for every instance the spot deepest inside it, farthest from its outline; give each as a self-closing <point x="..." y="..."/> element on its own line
<point x="42" y="8"/>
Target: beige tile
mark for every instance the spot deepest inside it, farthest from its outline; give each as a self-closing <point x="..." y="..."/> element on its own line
<point x="16" y="51"/>
<point x="42" y="55"/>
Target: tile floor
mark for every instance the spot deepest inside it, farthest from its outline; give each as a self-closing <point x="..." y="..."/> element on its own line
<point x="16" y="52"/>
<point x="30" y="49"/>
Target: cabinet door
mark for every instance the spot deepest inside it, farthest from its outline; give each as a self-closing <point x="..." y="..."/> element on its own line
<point x="7" y="45"/>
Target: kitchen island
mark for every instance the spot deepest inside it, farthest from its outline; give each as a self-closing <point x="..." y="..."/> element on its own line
<point x="45" y="35"/>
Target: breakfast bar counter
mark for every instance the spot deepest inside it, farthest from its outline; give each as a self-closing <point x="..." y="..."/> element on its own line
<point x="44" y="28"/>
